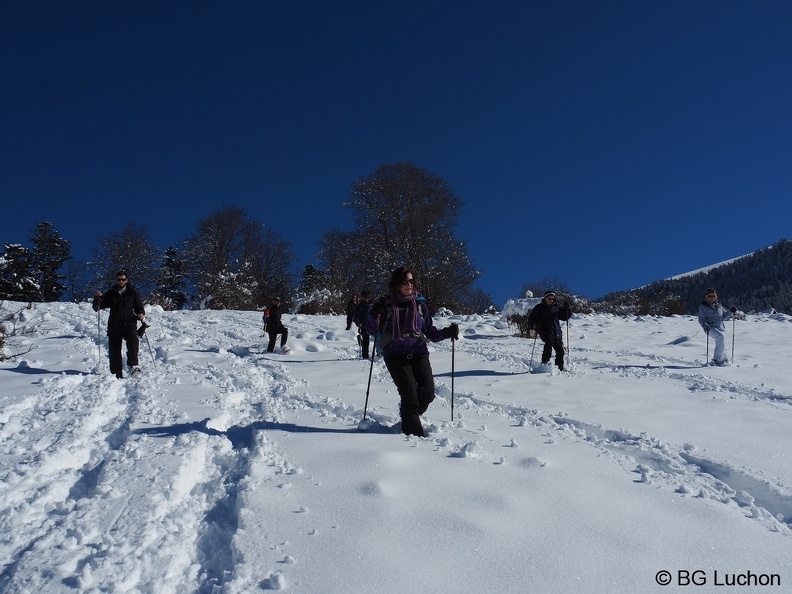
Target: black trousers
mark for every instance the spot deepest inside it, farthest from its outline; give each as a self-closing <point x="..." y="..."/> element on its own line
<point x="273" y="336"/>
<point x="554" y="344"/>
<point x="365" y="340"/>
<point x="115" y="341"/>
<point x="412" y="375"/>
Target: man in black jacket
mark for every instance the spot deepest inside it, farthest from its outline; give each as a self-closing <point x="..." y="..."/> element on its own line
<point x="544" y="317"/>
<point x="361" y="313"/>
<point x="126" y="308"/>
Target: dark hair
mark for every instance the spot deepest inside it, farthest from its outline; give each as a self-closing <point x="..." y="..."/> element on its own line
<point x="122" y="273"/>
<point x="397" y="278"/>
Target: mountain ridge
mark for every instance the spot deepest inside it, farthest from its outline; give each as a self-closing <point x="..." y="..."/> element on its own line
<point x="757" y="282"/>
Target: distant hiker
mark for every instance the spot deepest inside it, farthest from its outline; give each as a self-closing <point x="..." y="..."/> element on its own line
<point x="274" y="326"/>
<point x="406" y="327"/>
<point x="350" y="309"/>
<point x="126" y="308"/>
<point x="545" y="317"/>
<point x="360" y="317"/>
<point x="711" y="316"/>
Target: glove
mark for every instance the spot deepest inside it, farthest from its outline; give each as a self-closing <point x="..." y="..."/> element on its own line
<point x="706" y="329"/>
<point x="733" y="310"/>
<point x="142" y="330"/>
<point x="452" y="331"/>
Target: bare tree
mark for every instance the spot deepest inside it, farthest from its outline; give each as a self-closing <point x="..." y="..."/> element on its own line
<point x="477" y="301"/>
<point x="233" y="259"/>
<point x="131" y="250"/>
<point x="406" y="216"/>
<point x="79" y="278"/>
<point x="547" y="283"/>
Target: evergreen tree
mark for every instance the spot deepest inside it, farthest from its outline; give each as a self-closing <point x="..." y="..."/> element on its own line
<point x="171" y="283"/>
<point x="17" y="281"/>
<point x="761" y="281"/>
<point x="50" y="252"/>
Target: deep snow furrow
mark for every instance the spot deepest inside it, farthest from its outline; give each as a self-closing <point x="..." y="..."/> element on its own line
<point x="684" y="472"/>
<point x="249" y="395"/>
<point x="687" y="473"/>
<point x="748" y="492"/>
<point x="695" y="381"/>
<point x="64" y="437"/>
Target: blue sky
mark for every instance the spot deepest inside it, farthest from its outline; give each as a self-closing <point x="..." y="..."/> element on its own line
<point x="607" y="144"/>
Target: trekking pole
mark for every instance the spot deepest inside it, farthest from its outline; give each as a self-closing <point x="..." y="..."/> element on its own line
<point x="99" y="336"/>
<point x="453" y="342"/>
<point x="733" y="321"/>
<point x="371" y="370"/>
<point x="530" y="365"/>
<point x="707" y="359"/>
<point x="141" y="332"/>
<point x="569" y="348"/>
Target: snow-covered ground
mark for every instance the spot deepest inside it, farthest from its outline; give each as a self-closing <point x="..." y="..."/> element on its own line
<point x="227" y="469"/>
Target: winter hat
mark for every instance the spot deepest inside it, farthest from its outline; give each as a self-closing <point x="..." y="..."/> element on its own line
<point x="710" y="292"/>
<point x="549" y="294"/>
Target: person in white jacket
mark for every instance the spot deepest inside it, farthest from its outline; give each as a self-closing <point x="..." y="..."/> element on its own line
<point x="711" y="316"/>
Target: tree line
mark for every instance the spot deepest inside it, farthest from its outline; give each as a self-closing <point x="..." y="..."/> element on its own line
<point x="759" y="282"/>
<point x="402" y="214"/>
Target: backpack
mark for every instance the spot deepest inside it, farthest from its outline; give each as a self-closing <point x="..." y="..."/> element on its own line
<point x="382" y="338"/>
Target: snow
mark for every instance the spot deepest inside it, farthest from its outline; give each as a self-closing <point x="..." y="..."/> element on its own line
<point x="228" y="469"/>
<point x="708" y="268"/>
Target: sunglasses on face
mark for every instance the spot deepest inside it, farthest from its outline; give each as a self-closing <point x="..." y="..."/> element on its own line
<point x="408" y="281"/>
<point x="121" y="280"/>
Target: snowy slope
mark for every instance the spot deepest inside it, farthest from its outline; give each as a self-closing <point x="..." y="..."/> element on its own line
<point x="227" y="469"/>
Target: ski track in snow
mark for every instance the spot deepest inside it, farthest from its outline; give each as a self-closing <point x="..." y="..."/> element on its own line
<point x="64" y="457"/>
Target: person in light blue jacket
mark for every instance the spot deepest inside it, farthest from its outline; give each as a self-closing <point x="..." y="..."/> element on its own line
<point x="711" y="316"/>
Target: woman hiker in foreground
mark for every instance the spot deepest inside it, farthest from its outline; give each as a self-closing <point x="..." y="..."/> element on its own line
<point x="406" y="327"/>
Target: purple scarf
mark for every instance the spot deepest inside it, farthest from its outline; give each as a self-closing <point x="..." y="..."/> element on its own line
<point x="411" y="315"/>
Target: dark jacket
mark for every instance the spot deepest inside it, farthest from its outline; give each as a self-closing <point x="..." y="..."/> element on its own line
<point x="125" y="305"/>
<point x="274" y="323"/>
<point x="545" y="319"/>
<point x="361" y="313"/>
<point x="380" y="323"/>
<point x="350" y="308"/>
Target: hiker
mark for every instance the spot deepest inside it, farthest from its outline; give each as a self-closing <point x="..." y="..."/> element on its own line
<point x="126" y="308"/>
<point x="273" y="326"/>
<point x="711" y="316"/>
<point x="350" y="310"/>
<point x="545" y="318"/>
<point x="361" y="313"/>
<point x="405" y="327"/>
